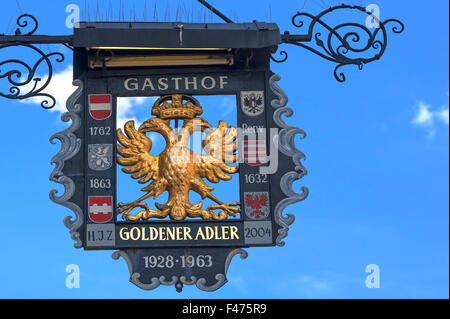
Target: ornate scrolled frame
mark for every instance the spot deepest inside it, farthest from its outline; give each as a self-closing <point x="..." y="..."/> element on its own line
<point x="28" y="85"/>
<point x="182" y="280"/>
<point x="286" y="144"/>
<point x="342" y="39"/>
<point x="70" y="146"/>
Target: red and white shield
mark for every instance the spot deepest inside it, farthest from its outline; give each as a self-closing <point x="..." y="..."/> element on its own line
<point x="100" y="106"/>
<point x="100" y="208"/>
<point x="255" y="152"/>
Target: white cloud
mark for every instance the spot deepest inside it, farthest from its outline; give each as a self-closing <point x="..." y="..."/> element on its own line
<point x="125" y="110"/>
<point x="60" y="87"/>
<point x="427" y="117"/>
<point x="424" y="116"/>
<point x="316" y="284"/>
<point x="443" y="115"/>
<point x="312" y="287"/>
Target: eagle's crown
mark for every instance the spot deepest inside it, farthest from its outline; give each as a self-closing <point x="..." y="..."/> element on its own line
<point x="177" y="109"/>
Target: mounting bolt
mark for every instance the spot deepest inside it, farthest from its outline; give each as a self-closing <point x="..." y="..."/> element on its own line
<point x="180" y="28"/>
<point x="179" y="286"/>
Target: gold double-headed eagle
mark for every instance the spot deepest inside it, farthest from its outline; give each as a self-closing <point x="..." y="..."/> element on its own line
<point x="177" y="169"/>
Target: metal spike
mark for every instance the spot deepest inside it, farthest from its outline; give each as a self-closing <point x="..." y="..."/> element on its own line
<point x="155" y="13"/>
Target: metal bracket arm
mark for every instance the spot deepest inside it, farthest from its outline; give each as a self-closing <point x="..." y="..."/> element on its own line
<point x="37" y="39"/>
<point x="348" y="43"/>
<point x="21" y="76"/>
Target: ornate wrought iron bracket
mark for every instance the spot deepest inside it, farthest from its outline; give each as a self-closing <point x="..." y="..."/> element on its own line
<point x="23" y="78"/>
<point x="348" y="43"/>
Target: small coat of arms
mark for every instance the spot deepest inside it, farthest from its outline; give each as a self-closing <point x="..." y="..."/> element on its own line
<point x="100" y="106"/>
<point x="100" y="209"/>
<point x="252" y="102"/>
<point x="257" y="205"/>
<point x="100" y="156"/>
<point x="255" y="152"/>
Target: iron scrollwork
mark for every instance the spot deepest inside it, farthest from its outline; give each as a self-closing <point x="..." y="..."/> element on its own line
<point x="343" y="40"/>
<point x="22" y="76"/>
<point x="284" y="56"/>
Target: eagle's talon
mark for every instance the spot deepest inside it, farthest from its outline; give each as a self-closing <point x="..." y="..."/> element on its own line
<point x="126" y="208"/>
<point x="228" y="209"/>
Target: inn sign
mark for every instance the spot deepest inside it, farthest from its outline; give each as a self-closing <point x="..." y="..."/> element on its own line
<point x="162" y="233"/>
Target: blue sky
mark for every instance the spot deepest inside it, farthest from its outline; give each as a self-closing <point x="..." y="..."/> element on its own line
<point x="377" y="157"/>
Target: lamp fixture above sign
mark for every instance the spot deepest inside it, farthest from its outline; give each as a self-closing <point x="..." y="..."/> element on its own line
<point x="160" y="60"/>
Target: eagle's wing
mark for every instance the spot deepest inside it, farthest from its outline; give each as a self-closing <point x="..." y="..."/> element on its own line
<point x="135" y="154"/>
<point x="220" y="147"/>
<point x="259" y="100"/>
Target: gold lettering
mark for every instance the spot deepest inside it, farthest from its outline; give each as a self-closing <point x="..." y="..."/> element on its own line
<point x="225" y="232"/>
<point x="179" y="231"/>
<point x="187" y="233"/>
<point x="217" y="233"/>
<point x="170" y="233"/>
<point x="126" y="235"/>
<point x="162" y="233"/>
<point x="135" y="233"/>
<point x="143" y="234"/>
<point x="200" y="232"/>
<point x="153" y="233"/>
<point x="234" y="231"/>
<point x="209" y="233"/>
